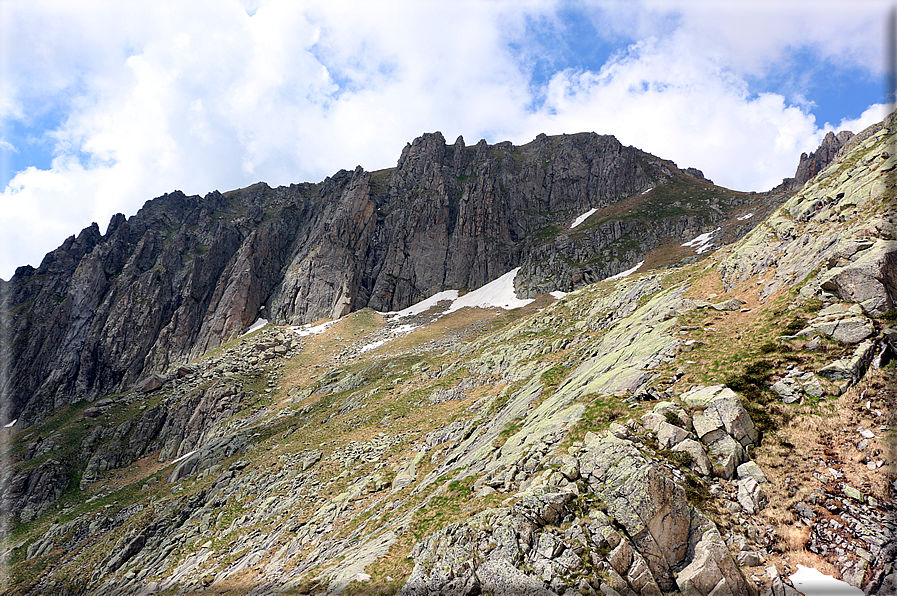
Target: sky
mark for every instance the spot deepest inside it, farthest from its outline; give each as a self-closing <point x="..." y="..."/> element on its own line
<point x="105" y="105"/>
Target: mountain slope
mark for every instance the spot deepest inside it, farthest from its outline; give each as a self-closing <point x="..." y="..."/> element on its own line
<point x="186" y="274"/>
<point x="681" y="430"/>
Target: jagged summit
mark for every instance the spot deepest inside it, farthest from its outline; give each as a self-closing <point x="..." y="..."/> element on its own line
<point x="187" y="273"/>
<point x="815" y="162"/>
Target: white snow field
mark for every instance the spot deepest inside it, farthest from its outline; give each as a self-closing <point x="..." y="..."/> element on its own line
<point x="498" y="293"/>
<point x="256" y="326"/>
<point x="424" y="305"/>
<point x="812" y="582"/>
<point x="582" y="218"/>
<point x="622" y="274"/>
<point x="702" y="243"/>
<point x="309" y="330"/>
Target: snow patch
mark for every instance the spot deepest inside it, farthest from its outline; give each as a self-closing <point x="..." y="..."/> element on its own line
<point x="306" y="330"/>
<point x="393" y="334"/>
<point x="647" y="190"/>
<point x="557" y="294"/>
<point x="11" y="424"/>
<point x="373" y="346"/>
<point x="745" y="216"/>
<point x="425" y="305"/>
<point x="498" y="293"/>
<point x="702" y="243"/>
<point x="627" y="272"/>
<point x="582" y="218"/>
<point x="812" y="582"/>
<point x="256" y="326"/>
<point x="183" y="457"/>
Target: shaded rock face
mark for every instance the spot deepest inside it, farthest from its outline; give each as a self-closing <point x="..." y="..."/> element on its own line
<point x="173" y="281"/>
<point x="186" y="273"/>
<point x="28" y="494"/>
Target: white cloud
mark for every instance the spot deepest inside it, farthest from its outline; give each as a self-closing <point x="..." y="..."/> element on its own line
<point x="873" y="114"/>
<point x="220" y="94"/>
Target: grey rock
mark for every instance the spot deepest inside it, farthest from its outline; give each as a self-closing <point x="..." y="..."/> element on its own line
<point x="209" y="455"/>
<point x="851" y="368"/>
<point x="151" y="383"/>
<point x="749" y="559"/>
<point x="725" y="455"/>
<point x="728" y="305"/>
<point x="813" y="387"/>
<point x="871" y="278"/>
<point x="853" y="330"/>
<point x="711" y="570"/>
<point x="669" y="435"/>
<point x="804" y="510"/>
<point x="29" y="494"/>
<point x="700" y="461"/>
<point x="749" y="469"/>
<point x="789" y="389"/>
<point x="750" y="495"/>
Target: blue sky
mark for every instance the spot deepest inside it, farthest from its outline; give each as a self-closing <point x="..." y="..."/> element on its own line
<point x="106" y="105"/>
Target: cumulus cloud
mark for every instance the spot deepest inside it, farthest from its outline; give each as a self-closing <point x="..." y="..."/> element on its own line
<point x="220" y="94"/>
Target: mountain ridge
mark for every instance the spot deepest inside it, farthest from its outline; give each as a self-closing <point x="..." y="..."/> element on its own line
<point x="186" y="273"/>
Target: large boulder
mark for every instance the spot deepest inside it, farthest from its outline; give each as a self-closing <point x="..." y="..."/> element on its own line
<point x="870" y="279"/>
<point x="711" y="570"/>
<point x="721" y="409"/>
<point x="700" y="463"/>
<point x="652" y="508"/>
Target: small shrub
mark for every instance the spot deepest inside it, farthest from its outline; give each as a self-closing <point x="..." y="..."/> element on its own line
<point x="796" y="325"/>
<point x="680" y="459"/>
<point x="672" y="418"/>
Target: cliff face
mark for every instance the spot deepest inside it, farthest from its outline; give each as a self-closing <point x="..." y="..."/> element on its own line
<point x="187" y="273"/>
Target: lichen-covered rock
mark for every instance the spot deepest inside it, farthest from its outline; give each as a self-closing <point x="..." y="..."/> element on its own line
<point x="721" y="408"/>
<point x="652" y="508"/>
<point x="750" y="495"/>
<point x="700" y="462"/>
<point x="669" y="435"/>
<point x="869" y="278"/>
<point x="851" y="368"/>
<point x="725" y="454"/>
<point x="711" y="570"/>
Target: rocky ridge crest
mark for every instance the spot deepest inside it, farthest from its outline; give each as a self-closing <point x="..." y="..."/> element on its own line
<point x="186" y="274"/>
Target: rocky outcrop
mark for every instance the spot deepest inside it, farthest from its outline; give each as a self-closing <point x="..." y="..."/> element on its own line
<point x="28" y="494"/>
<point x="183" y="275"/>
<point x="625" y="527"/>
<point x="816" y="161"/>
<point x="840" y="221"/>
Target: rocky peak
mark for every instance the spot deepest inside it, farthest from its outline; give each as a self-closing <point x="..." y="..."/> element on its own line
<point x="187" y="273"/>
<point x="815" y="162"/>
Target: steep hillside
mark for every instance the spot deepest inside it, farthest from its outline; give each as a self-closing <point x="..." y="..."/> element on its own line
<point x="186" y="274"/>
<point x="695" y="429"/>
